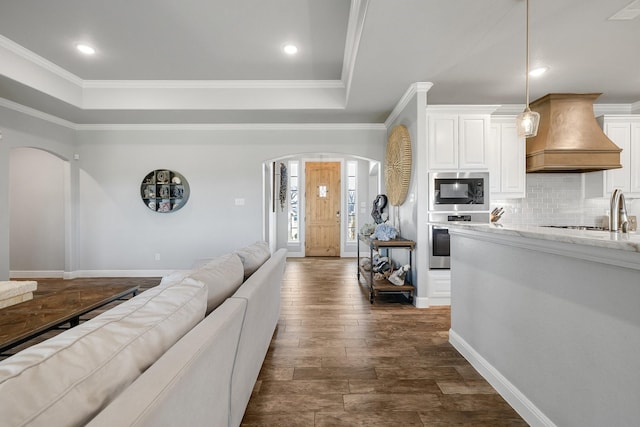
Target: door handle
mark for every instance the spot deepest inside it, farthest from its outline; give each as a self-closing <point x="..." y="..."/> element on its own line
<point x="337" y="214"/>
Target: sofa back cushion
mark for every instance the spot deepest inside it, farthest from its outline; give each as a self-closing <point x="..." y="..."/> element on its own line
<point x="253" y="256"/>
<point x="189" y="384"/>
<point x="222" y="276"/>
<point x="262" y="294"/>
<point x="66" y="380"/>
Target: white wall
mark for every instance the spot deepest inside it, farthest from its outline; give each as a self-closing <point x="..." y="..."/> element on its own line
<point x="119" y="234"/>
<point x="37" y="201"/>
<point x="412" y="213"/>
<point x="22" y="130"/>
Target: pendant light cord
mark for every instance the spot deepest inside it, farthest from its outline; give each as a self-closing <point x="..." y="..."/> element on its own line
<point x="526" y="72"/>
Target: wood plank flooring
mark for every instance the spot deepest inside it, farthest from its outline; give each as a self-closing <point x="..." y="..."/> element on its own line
<point x="337" y="360"/>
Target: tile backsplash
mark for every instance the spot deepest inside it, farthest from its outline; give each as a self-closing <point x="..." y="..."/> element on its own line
<point x="557" y="199"/>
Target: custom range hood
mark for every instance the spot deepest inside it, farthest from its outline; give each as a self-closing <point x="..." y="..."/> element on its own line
<point x="569" y="138"/>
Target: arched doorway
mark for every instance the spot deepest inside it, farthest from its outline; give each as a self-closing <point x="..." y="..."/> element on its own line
<point x="37" y="199"/>
<point x="279" y="214"/>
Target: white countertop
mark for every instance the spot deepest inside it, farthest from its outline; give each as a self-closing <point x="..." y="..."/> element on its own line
<point x="602" y="239"/>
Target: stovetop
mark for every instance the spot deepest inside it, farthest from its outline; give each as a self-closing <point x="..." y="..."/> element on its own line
<point x="577" y="227"/>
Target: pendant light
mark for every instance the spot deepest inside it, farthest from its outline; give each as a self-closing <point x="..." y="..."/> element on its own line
<point x="527" y="121"/>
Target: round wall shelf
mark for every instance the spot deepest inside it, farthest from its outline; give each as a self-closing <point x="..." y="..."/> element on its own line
<point x="164" y="190"/>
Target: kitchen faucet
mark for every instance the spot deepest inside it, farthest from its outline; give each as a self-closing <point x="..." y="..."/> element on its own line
<point x="618" y="220"/>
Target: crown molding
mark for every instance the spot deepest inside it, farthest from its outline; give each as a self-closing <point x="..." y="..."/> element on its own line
<point x="415" y="88"/>
<point x="38" y="60"/>
<point x="463" y="109"/>
<point x="213" y="84"/>
<point x="357" y="16"/>
<point x="36" y="113"/>
<point x="232" y="126"/>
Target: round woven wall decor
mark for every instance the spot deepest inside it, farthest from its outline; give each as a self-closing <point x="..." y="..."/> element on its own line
<point x="397" y="165"/>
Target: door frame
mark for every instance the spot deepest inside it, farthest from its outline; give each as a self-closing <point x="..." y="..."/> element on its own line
<point x="271" y="225"/>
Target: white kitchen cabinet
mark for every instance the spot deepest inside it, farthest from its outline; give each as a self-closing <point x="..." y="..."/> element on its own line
<point x="506" y="159"/>
<point x="457" y="141"/>
<point x="624" y="131"/>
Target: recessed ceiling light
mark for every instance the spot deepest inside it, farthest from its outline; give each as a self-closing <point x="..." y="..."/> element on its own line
<point x="86" y="49"/>
<point x="290" y="49"/>
<point x="537" y="72"/>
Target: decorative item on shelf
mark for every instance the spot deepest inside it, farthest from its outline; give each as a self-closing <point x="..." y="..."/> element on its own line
<point x="397" y="165"/>
<point x="367" y="229"/>
<point x="365" y="263"/>
<point x="283" y="185"/>
<point x="527" y="121"/>
<point x="164" y="190"/>
<point x="381" y="265"/>
<point x="385" y="232"/>
<point x="398" y="277"/>
<point x="379" y="203"/>
<point x="163" y="176"/>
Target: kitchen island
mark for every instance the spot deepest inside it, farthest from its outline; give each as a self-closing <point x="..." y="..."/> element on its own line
<point x="551" y="318"/>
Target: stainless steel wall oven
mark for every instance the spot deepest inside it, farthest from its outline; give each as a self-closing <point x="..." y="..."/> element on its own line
<point x="439" y="246"/>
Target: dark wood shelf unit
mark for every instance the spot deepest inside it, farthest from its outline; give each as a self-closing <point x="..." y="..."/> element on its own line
<point x="384" y="286"/>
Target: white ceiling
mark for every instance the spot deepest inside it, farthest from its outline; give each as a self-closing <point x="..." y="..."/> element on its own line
<point x="195" y="61"/>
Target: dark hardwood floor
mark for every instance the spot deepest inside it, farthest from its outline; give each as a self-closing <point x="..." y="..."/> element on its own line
<point x="337" y="360"/>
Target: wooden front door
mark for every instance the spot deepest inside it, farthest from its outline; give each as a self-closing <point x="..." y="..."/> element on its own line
<point x="322" y="209"/>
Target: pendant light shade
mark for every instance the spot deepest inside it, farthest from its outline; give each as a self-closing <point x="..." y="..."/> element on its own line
<point x="527" y="121"/>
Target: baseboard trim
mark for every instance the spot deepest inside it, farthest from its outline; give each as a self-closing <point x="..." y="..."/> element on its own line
<point x="421" y="302"/>
<point x="55" y="274"/>
<point x="122" y="273"/>
<point x="518" y="401"/>
<point x="40" y="274"/>
<point x="426" y="302"/>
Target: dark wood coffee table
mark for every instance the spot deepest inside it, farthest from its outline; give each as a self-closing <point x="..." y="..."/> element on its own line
<point x="51" y="309"/>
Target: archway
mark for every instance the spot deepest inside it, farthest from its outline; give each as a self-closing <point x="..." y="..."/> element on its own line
<point x="38" y="199"/>
<point x="276" y="218"/>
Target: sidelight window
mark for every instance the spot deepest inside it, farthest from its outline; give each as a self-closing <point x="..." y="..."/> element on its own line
<point x="294" y="205"/>
<point x="352" y="170"/>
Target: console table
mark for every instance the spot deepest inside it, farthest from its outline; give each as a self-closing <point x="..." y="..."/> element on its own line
<point x="384" y="286"/>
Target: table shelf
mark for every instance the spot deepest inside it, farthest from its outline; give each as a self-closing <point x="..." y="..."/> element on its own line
<point x="384" y="286"/>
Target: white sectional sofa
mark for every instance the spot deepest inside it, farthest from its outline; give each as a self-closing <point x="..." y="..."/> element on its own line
<point x="186" y="352"/>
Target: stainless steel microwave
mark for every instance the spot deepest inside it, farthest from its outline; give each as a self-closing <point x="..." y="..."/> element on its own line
<point x="459" y="191"/>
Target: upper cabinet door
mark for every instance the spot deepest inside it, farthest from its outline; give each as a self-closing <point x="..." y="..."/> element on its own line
<point x="494" y="158"/>
<point x="458" y="141"/>
<point x="513" y="161"/>
<point x="620" y="134"/>
<point x="474" y="133"/>
<point x="635" y="158"/>
<point x="624" y="131"/>
<point x="443" y="141"/>
<point x="506" y="159"/>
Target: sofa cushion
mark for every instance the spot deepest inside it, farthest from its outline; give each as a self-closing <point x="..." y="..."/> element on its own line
<point x="68" y="379"/>
<point x="222" y="276"/>
<point x="173" y="277"/>
<point x="253" y="256"/>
